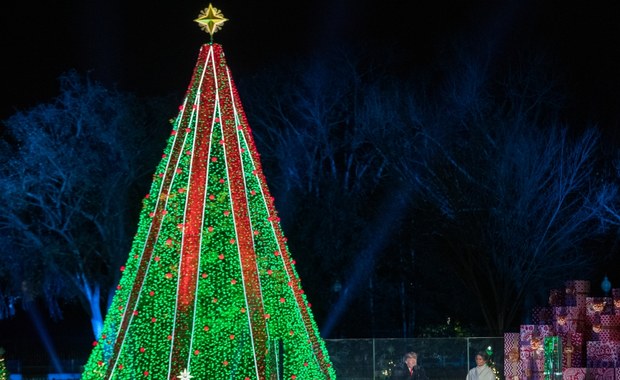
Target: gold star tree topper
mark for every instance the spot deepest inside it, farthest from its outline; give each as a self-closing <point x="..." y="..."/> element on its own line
<point x="210" y="20"/>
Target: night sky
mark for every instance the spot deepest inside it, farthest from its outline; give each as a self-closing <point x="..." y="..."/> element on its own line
<point x="150" y="48"/>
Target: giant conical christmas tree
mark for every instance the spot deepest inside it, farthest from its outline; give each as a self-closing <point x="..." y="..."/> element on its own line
<point x="209" y="290"/>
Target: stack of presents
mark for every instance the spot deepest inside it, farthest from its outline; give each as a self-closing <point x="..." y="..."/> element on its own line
<point x="576" y="337"/>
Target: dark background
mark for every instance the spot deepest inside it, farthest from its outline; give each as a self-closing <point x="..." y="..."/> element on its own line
<point x="150" y="48"/>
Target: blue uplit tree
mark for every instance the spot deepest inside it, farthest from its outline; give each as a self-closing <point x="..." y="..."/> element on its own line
<point x="69" y="185"/>
<point x="506" y="193"/>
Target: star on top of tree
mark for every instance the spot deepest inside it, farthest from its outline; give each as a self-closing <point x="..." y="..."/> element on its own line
<point x="185" y="375"/>
<point x="210" y="20"/>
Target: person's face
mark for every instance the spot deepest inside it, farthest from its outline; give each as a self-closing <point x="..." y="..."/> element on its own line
<point x="411" y="361"/>
<point x="479" y="360"/>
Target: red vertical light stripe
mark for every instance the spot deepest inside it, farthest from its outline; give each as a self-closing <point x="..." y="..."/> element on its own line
<point x="296" y="283"/>
<point x="190" y="251"/>
<point x="149" y="246"/>
<point x="243" y="225"/>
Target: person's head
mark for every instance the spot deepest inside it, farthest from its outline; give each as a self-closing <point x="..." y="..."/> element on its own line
<point x="411" y="358"/>
<point x="481" y="358"/>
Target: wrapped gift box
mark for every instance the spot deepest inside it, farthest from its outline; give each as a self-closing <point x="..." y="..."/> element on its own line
<point x="599" y="306"/>
<point x="593" y="319"/>
<point x="592" y="336"/>
<point x="556" y="297"/>
<point x="603" y="328"/>
<point x="592" y="327"/>
<point x="608" y="309"/>
<point x="513" y="365"/>
<point x="542" y="315"/>
<point x="535" y="367"/>
<point x="574" y="374"/>
<point x="590" y="311"/>
<point x="611" y="321"/>
<point x="572" y="350"/>
<point x="531" y="349"/>
<point x="511" y="341"/>
<point x="568" y="319"/>
<point x="616" y="299"/>
<point x="599" y="334"/>
<point x="601" y="373"/>
<point x="514" y="370"/>
<point x="526" y="332"/>
<point x="603" y="354"/>
<point x="609" y="336"/>
<point x="553" y="356"/>
<point x="578" y="286"/>
<point x="576" y="293"/>
<point x="569" y="297"/>
<point x="531" y="339"/>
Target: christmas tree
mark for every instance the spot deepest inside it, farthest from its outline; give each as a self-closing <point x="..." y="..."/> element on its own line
<point x="209" y="290"/>
<point x="4" y="372"/>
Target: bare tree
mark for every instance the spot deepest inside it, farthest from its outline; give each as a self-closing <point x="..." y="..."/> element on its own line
<point x="316" y="127"/>
<point x="67" y="184"/>
<point x="472" y="168"/>
<point x="505" y="194"/>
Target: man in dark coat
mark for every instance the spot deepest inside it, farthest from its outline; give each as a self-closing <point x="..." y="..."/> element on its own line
<point x="409" y="369"/>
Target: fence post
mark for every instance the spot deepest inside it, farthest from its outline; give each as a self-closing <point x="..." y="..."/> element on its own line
<point x="468" y="349"/>
<point x="374" y="359"/>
